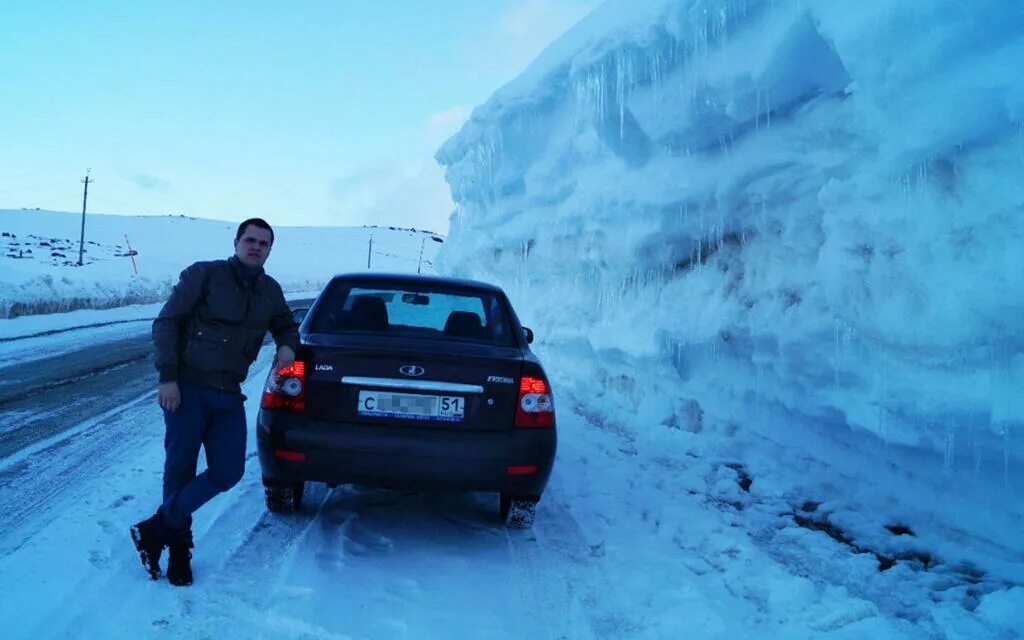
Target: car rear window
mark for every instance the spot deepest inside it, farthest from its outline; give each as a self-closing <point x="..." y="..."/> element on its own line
<point x="415" y="311"/>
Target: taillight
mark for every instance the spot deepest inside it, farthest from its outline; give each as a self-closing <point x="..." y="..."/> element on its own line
<point x="521" y="470"/>
<point x="286" y="389"/>
<point x="290" y="456"/>
<point x="536" y="407"/>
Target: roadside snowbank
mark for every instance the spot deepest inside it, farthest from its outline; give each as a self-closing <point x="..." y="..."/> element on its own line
<point x="792" y="230"/>
<point x="39" y="257"/>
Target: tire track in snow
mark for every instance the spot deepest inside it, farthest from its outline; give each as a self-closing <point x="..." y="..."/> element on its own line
<point x="240" y="563"/>
<point x="77" y="549"/>
<point x="555" y="579"/>
<point x="41" y="482"/>
<point x="72" y="542"/>
<point x="236" y="561"/>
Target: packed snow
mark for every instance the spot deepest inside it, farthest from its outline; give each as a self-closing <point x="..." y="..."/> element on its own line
<point x="770" y="251"/>
<point x="785" y="236"/>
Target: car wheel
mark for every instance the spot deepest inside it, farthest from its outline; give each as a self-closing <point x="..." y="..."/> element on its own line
<point x="284" y="499"/>
<point x="518" y="512"/>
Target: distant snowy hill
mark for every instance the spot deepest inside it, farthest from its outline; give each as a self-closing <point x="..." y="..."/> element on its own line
<point x="793" y="229"/>
<point x="39" y="256"/>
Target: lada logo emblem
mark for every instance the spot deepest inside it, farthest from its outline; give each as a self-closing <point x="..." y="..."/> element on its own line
<point x="412" y="370"/>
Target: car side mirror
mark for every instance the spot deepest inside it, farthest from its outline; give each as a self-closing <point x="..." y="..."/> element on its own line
<point x="528" y="334"/>
<point x="298" y="315"/>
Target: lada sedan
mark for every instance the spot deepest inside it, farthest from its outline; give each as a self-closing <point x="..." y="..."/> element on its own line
<point x="410" y="382"/>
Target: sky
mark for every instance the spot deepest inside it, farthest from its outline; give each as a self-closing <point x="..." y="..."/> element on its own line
<point x="305" y="113"/>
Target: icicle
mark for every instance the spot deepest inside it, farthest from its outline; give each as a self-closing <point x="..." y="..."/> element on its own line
<point x="973" y="444"/>
<point x="620" y="90"/>
<point x="722" y="27"/>
<point x="843" y="337"/>
<point x="757" y="109"/>
<point x="950" y="449"/>
<point x="758" y="381"/>
<point x="590" y="96"/>
<point x="655" y="71"/>
<point x="881" y="426"/>
<point x="1020" y="139"/>
<point x="1006" y="455"/>
<point x="1003" y="385"/>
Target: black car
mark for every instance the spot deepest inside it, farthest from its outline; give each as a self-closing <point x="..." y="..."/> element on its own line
<point x="410" y="382"/>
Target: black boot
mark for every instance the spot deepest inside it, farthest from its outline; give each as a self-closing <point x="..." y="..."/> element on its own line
<point x="179" y="561"/>
<point x="148" y="536"/>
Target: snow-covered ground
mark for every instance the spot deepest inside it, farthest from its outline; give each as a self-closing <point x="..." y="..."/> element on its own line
<point x="648" y="530"/>
<point x="771" y="253"/>
<point x="783" y="239"/>
<point x="39" y="256"/>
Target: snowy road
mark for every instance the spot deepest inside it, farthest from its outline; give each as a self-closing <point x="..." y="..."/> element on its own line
<point x="63" y="379"/>
<point x="355" y="563"/>
<point x="652" y="533"/>
<point x="42" y="397"/>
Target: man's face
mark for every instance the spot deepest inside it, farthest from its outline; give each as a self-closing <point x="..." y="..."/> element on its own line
<point x="253" y="248"/>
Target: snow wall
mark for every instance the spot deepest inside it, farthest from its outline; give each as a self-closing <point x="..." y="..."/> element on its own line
<point x="729" y="211"/>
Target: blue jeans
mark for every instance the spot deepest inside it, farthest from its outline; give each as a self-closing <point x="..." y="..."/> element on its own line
<point x="216" y="420"/>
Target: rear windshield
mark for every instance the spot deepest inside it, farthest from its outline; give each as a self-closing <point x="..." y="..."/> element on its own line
<point x="414" y="311"/>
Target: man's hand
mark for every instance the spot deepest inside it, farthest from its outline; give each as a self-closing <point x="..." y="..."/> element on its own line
<point x="284" y="358"/>
<point x="169" y="396"/>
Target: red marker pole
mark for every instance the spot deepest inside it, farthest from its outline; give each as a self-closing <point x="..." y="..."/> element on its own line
<point x="131" y="254"/>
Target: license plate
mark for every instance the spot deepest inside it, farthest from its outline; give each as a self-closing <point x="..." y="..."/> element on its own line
<point x="414" y="406"/>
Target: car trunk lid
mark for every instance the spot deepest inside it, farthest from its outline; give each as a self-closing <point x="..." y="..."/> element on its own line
<point x="430" y="385"/>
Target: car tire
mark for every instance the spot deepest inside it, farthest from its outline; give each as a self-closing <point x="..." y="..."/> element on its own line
<point x="518" y="512"/>
<point x="284" y="499"/>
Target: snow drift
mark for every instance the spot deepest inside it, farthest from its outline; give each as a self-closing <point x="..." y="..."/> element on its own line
<point x="801" y="205"/>
<point x="783" y="238"/>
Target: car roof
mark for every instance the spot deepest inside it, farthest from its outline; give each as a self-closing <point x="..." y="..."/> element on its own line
<point x="393" y="278"/>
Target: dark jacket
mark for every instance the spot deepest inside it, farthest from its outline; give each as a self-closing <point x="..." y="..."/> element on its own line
<point x="212" y="326"/>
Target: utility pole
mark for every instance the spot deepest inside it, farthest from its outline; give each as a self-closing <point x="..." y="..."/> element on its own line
<point x="85" y="197"/>
<point x="369" y="252"/>
<point x="420" y="263"/>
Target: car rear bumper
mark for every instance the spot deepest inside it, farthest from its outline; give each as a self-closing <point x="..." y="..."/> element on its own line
<point x="405" y="457"/>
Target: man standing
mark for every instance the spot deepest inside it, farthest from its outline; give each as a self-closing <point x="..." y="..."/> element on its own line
<point x="206" y="336"/>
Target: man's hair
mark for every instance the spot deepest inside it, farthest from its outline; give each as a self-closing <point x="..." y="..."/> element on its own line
<point x="256" y="222"/>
